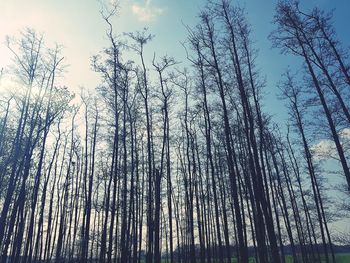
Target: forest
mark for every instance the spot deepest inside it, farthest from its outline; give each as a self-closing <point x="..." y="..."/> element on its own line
<point x="163" y="162"/>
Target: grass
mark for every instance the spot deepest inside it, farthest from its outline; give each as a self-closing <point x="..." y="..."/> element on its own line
<point x="340" y="258"/>
<point x="343" y="258"/>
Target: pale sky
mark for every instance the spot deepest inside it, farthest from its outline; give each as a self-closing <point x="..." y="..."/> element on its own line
<point x="78" y="26"/>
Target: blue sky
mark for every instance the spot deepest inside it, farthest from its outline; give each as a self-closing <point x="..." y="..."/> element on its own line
<point x="78" y="26"/>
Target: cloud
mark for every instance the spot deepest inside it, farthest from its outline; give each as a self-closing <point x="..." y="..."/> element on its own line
<point x="146" y="12"/>
<point x="345" y="133"/>
<point x="325" y="149"/>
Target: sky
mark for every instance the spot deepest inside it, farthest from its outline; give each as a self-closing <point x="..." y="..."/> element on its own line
<point x="78" y="26"/>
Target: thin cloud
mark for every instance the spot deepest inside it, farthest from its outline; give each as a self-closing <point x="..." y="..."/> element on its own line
<point x="325" y="149"/>
<point x="146" y="12"/>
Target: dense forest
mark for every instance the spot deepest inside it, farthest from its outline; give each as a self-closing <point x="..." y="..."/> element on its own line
<point x="166" y="163"/>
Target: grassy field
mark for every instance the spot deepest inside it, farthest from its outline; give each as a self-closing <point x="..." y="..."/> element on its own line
<point x="343" y="258"/>
<point x="340" y="258"/>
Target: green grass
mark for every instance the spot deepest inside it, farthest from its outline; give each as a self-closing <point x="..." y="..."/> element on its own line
<point x="251" y="260"/>
<point x="340" y="258"/>
<point x="343" y="258"/>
